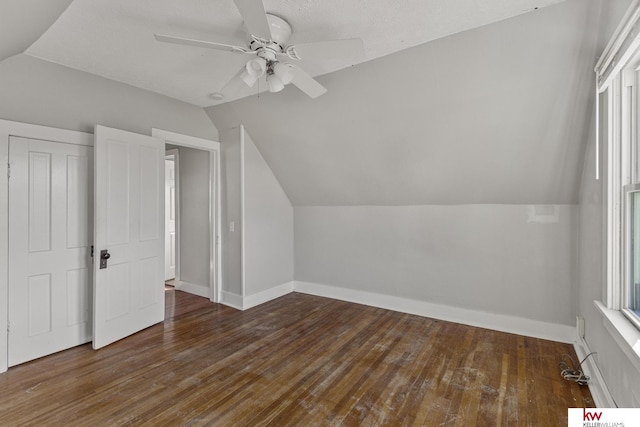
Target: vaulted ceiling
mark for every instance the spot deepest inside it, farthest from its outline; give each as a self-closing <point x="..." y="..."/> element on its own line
<point x="497" y="114"/>
<point x="462" y="101"/>
<point x="22" y="22"/>
<point x="114" y="38"/>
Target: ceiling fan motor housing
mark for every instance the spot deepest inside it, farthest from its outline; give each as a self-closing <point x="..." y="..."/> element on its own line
<point x="280" y="34"/>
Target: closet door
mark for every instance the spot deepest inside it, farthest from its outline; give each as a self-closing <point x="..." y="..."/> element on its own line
<point x="50" y="217"/>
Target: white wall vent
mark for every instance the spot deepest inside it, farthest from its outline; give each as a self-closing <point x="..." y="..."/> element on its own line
<point x="543" y="214"/>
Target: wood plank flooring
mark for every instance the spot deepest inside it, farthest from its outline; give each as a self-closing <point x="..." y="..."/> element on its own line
<point x="178" y="303"/>
<point x="299" y="360"/>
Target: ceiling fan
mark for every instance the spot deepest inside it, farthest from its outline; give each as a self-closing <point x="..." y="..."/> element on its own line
<point x="267" y="42"/>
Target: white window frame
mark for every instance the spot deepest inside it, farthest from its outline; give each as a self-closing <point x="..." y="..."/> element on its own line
<point x="618" y="78"/>
<point x="622" y="176"/>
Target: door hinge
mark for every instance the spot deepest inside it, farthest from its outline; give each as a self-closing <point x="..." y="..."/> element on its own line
<point x="8" y="170"/>
<point x="8" y="326"/>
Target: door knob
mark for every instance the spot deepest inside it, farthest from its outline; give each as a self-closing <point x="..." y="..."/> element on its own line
<point x="104" y="256"/>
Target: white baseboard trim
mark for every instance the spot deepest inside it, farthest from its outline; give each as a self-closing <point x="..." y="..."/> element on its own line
<point x="201" y="291"/>
<point x="231" y="300"/>
<point x="498" y="322"/>
<point x="598" y="388"/>
<point x="270" y="294"/>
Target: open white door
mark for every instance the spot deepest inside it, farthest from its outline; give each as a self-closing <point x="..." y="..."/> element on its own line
<point x="128" y="234"/>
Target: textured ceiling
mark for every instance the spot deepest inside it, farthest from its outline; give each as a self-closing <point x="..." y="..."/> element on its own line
<point x="114" y="38"/>
<point x="498" y="114"/>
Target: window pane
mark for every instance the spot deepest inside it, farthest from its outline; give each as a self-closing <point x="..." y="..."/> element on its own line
<point x="634" y="282"/>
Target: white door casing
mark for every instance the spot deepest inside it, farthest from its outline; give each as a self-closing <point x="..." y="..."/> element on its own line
<point x="129" y="224"/>
<point x="215" y="243"/>
<point x="170" y="218"/>
<point x="50" y="212"/>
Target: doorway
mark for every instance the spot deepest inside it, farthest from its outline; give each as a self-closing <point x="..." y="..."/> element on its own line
<point x="171" y="209"/>
<point x="10" y="129"/>
<point x="197" y="221"/>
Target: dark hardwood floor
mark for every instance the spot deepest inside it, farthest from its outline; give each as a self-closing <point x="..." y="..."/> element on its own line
<point x="178" y="303"/>
<point x="299" y="360"/>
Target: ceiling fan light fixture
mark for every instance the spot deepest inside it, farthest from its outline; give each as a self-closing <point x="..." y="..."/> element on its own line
<point x="248" y="79"/>
<point x="284" y="72"/>
<point x="274" y="83"/>
<point x="254" y="69"/>
<point x="257" y="67"/>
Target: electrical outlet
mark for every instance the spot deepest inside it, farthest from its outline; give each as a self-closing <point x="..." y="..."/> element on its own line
<point x="580" y="326"/>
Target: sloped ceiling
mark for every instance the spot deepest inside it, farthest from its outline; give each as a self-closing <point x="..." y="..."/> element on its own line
<point x="22" y="22"/>
<point x="498" y="114"/>
<point x="114" y="38"/>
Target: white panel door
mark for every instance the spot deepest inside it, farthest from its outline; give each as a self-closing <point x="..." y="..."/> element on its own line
<point x="129" y="226"/>
<point x="170" y="220"/>
<point x="50" y="212"/>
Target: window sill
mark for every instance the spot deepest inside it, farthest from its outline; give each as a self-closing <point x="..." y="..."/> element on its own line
<point x="623" y="332"/>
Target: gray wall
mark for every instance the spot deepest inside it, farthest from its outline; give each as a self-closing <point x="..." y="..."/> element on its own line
<point x="40" y="92"/>
<point x="193" y="179"/>
<point x="481" y="257"/>
<point x="231" y="195"/>
<point x="268" y="225"/>
<point x="259" y="252"/>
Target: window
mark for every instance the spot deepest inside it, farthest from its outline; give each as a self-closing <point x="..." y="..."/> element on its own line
<point x="631" y="290"/>
<point x="618" y="143"/>
<point x="618" y="82"/>
<point x="632" y="196"/>
<point x="623" y="192"/>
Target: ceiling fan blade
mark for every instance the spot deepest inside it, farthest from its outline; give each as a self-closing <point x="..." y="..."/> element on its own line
<point x="233" y="86"/>
<point x="307" y="84"/>
<point x="237" y="85"/>
<point x="200" y="43"/>
<point x="352" y="49"/>
<point x="255" y="17"/>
